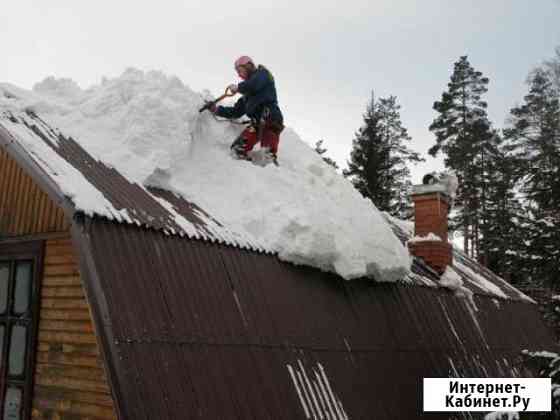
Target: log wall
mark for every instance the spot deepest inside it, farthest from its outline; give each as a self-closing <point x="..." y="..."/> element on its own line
<point x="69" y="380"/>
<point x="24" y="208"/>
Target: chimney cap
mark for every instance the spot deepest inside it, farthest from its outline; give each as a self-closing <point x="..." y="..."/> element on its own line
<point x="443" y="182"/>
<point x="431" y="178"/>
<point x="429" y="189"/>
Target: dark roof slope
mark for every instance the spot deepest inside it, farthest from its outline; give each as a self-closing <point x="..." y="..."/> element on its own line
<point x="196" y="330"/>
<point x="477" y="278"/>
<point x="158" y="209"/>
<point x="130" y="202"/>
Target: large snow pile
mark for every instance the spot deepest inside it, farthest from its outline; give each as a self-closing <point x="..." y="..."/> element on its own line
<point x="147" y="126"/>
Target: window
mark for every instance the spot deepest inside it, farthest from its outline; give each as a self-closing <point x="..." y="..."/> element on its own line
<point x="18" y="342"/>
<point x="4" y="282"/>
<point x="22" y="292"/>
<point x="19" y="298"/>
<point x="13" y="404"/>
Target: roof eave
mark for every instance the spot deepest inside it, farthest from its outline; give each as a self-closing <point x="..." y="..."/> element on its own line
<point x="99" y="308"/>
<point x="39" y="176"/>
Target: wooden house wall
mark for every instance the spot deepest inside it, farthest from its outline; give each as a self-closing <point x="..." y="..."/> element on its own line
<point x="69" y="380"/>
<point x="24" y="208"/>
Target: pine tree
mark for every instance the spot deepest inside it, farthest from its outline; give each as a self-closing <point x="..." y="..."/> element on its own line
<point x="379" y="158"/>
<point x="552" y="67"/>
<point x="321" y="151"/>
<point x="463" y="133"/>
<point x="545" y="364"/>
<point x="502" y="238"/>
<point x="535" y="133"/>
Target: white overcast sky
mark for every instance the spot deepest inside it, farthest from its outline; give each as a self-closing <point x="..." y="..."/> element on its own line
<point x="327" y="56"/>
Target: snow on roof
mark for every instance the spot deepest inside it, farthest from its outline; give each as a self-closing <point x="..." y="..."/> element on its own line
<point x="485" y="279"/>
<point x="143" y="133"/>
<point x="445" y="182"/>
<point x="473" y="276"/>
<point x="430" y="237"/>
<point x="429" y="188"/>
<point x="98" y="190"/>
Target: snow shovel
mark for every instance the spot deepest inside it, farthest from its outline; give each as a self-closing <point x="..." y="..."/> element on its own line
<point x="227" y="94"/>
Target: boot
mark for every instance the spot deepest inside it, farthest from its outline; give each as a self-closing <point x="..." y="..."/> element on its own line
<point x="238" y="148"/>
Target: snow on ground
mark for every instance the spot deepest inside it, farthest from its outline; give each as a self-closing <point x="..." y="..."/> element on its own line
<point x="147" y="125"/>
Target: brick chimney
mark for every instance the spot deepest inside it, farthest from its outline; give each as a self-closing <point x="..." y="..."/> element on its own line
<point x="431" y="206"/>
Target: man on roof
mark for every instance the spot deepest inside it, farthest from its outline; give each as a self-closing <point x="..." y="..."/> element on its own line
<point x="259" y="102"/>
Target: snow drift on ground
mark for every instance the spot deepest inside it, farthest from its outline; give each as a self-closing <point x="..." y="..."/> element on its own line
<point x="147" y="125"/>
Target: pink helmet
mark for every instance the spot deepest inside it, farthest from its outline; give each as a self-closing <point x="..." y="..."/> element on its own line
<point x="243" y="60"/>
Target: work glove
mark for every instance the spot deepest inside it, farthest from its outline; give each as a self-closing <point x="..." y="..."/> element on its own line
<point x="233" y="88"/>
<point x="212" y="108"/>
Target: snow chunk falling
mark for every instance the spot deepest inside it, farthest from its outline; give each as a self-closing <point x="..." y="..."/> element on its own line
<point x="147" y="126"/>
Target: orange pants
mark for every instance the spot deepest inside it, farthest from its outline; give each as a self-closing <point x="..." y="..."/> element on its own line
<point x="270" y="138"/>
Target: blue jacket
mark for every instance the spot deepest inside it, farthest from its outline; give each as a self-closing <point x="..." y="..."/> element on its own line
<point x="259" y="92"/>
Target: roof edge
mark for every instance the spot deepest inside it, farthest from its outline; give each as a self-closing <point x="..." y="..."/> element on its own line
<point x="99" y="310"/>
<point x="37" y="174"/>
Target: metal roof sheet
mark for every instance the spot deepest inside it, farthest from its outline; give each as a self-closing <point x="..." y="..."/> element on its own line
<point x="477" y="278"/>
<point x="128" y="202"/>
<point x="201" y="330"/>
<point x="169" y="212"/>
<point x="195" y="329"/>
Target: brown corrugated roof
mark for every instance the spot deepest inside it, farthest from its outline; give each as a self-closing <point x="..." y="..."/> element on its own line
<point x="474" y="275"/>
<point x="134" y="204"/>
<point x="200" y="330"/>
<point x="195" y="329"/>
<point x="158" y="209"/>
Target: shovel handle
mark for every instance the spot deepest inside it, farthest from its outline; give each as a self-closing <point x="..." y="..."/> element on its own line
<point x="226" y="94"/>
